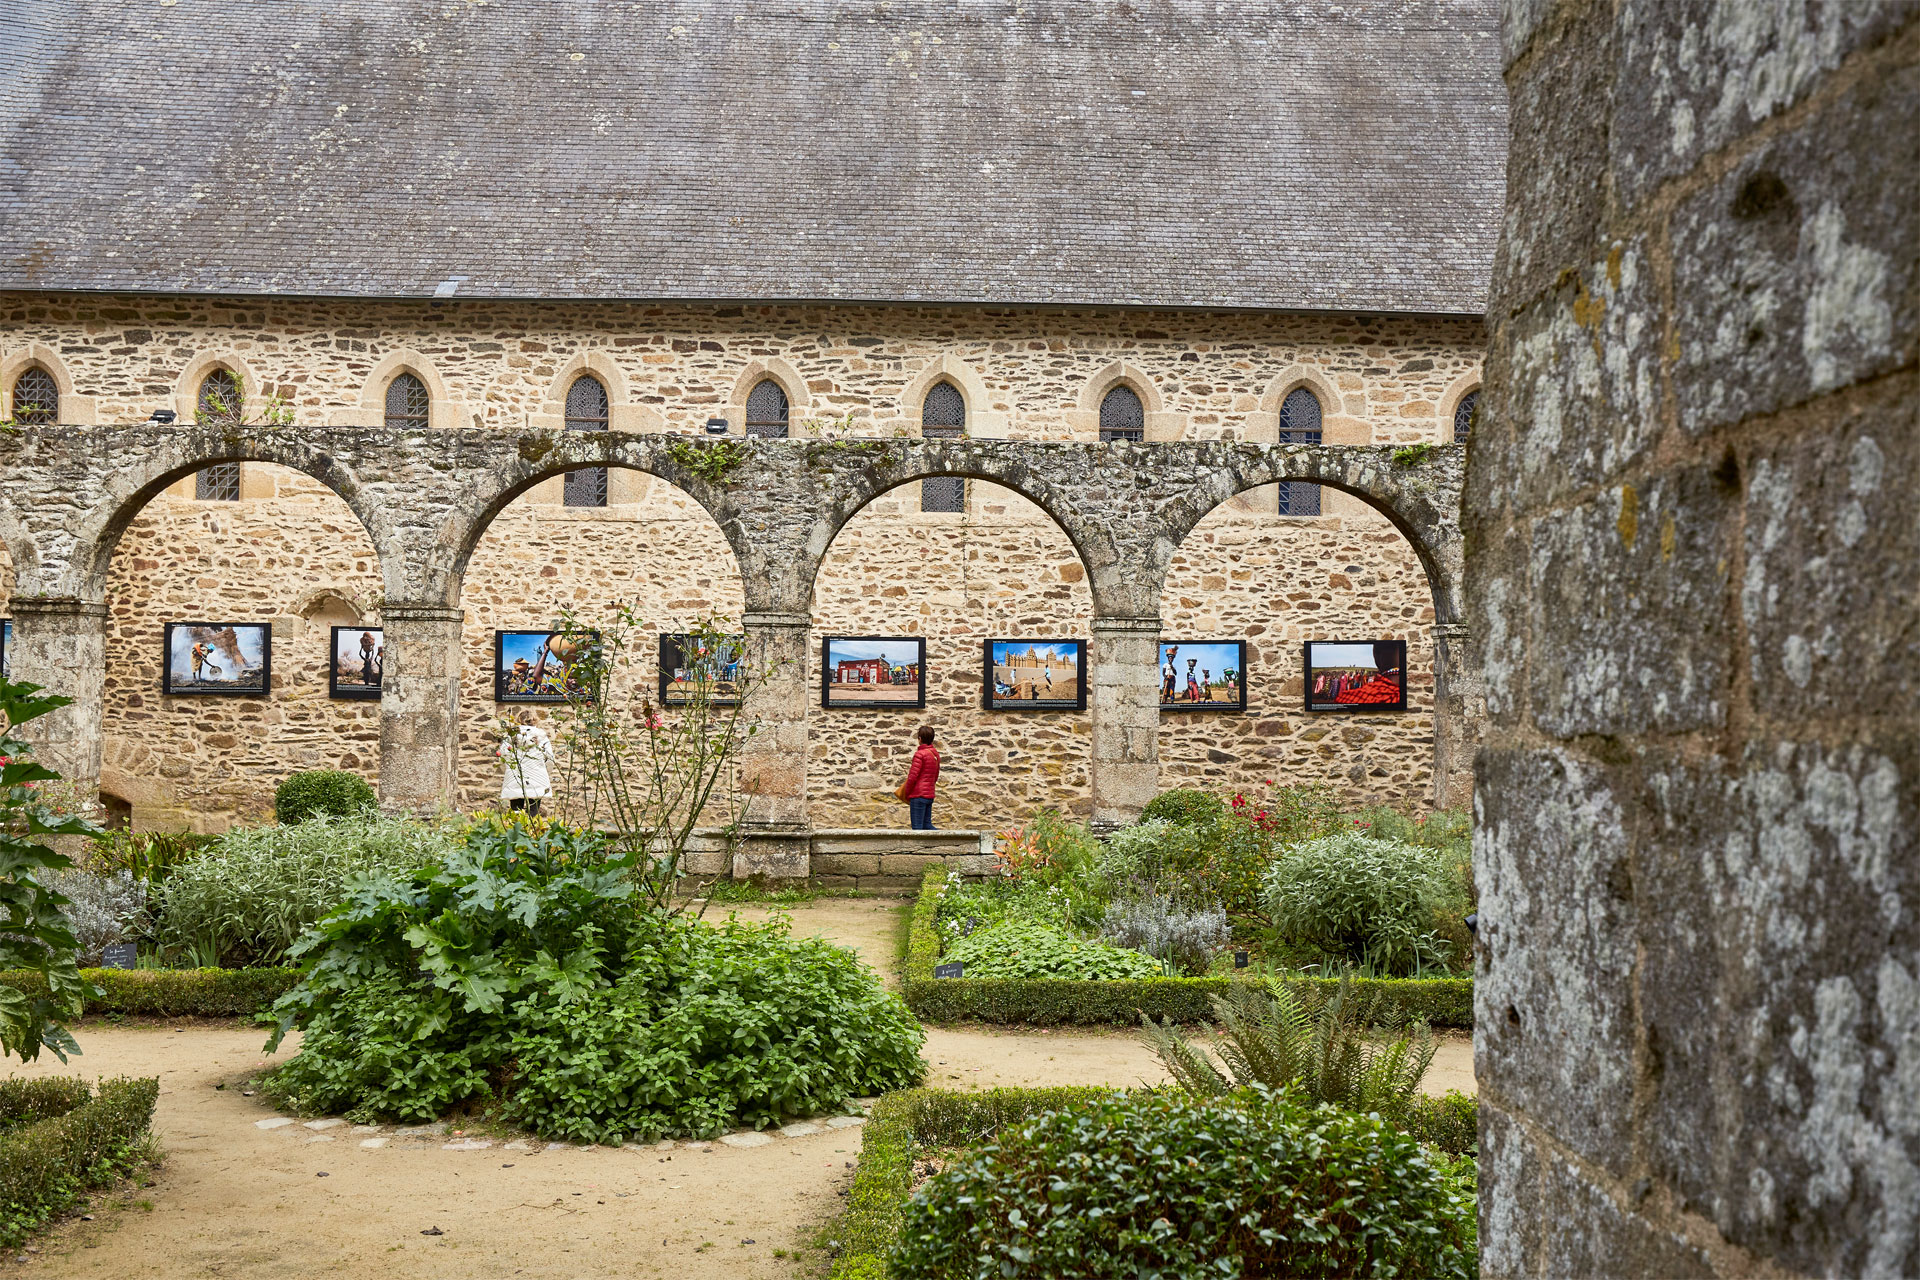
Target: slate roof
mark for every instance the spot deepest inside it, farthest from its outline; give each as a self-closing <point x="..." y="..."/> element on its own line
<point x="1326" y="156"/>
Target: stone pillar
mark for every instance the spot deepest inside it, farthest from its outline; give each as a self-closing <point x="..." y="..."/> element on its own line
<point x="1692" y="579"/>
<point x="1124" y="697"/>
<point x="60" y="644"/>
<point x="773" y="764"/>
<point x="1459" y="713"/>
<point x="419" y="707"/>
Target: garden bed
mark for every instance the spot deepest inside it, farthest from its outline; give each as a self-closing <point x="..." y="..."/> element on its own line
<point x="1441" y="1002"/>
<point x="170" y="993"/>
<point x="59" y="1140"/>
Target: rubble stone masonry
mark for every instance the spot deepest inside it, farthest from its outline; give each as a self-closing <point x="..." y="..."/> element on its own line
<point x="292" y="553"/>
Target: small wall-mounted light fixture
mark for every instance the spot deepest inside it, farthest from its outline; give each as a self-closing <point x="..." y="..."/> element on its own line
<point x="164" y="417"/>
<point x="716" y="426"/>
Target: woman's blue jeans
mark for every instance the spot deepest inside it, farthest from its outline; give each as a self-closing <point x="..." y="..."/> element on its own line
<point x="921" y="813"/>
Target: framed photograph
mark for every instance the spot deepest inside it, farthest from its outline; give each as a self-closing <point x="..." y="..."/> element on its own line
<point x="1203" y="675"/>
<point x="218" y="658"/>
<point x="686" y="665"/>
<point x="1356" y="675"/>
<point x="1035" y="675"/>
<point x="6" y="648"/>
<point x="354" y="662"/>
<point x="539" y="666"/>
<point x="873" y="671"/>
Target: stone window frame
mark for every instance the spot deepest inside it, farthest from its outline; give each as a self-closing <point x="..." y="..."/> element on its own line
<point x="186" y="404"/>
<point x="625" y="487"/>
<point x="799" y="399"/>
<point x="1336" y="427"/>
<point x="443" y="411"/>
<point x="75" y="410"/>
<point x="1457" y="390"/>
<point x="983" y="421"/>
<point x="1161" y="423"/>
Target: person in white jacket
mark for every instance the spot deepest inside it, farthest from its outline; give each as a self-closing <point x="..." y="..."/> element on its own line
<point x="528" y="754"/>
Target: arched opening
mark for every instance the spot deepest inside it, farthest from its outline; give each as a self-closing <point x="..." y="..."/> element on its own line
<point x="649" y="545"/>
<point x="1001" y="569"/>
<point x="286" y="555"/>
<point x="1247" y="573"/>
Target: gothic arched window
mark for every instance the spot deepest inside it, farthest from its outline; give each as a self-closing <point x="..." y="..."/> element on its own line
<point x="406" y="403"/>
<point x="1463" y="415"/>
<point x="1300" y="424"/>
<point x="1122" y="416"/>
<point x="36" y="397"/>
<point x="943" y="416"/>
<point x="220" y="403"/>
<point x="767" y="410"/>
<point x="587" y="411"/>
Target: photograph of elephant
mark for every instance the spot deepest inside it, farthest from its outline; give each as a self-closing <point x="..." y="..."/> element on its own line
<point x="357" y="656"/>
<point x="215" y="658"/>
<point x="540" y="666"/>
<point x="1356" y="675"/>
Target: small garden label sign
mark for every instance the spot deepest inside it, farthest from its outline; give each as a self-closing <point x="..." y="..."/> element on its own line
<point x="120" y="955"/>
<point x="1239" y="959"/>
<point x="952" y="970"/>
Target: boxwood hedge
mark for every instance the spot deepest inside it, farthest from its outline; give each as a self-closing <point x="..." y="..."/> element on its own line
<point x="1442" y="1002"/>
<point x="58" y="1140"/>
<point x="168" y="993"/>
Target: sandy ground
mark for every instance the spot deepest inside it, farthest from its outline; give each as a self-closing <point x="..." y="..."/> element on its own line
<point x="238" y="1200"/>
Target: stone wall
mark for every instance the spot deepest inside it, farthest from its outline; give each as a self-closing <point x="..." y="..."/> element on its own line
<point x="1692" y="576"/>
<point x="293" y="553"/>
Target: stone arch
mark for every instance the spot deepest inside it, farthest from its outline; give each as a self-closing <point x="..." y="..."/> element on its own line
<point x="75" y="409"/>
<point x="186" y="388"/>
<point x="443" y="412"/>
<point x="799" y="400"/>
<point x="983" y="421"/>
<point x="316" y="599"/>
<point x="1457" y="390"/>
<point x="1263" y="425"/>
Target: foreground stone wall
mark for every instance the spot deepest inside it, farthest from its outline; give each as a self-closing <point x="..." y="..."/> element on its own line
<point x="1693" y="576"/>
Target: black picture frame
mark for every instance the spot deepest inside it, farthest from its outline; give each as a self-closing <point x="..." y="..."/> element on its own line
<point x="355" y="692"/>
<point x="6" y="648"/>
<point x="503" y="639"/>
<point x="990" y="682"/>
<point x="1198" y="652"/>
<point x="185" y="685"/>
<point x="1392" y="651"/>
<point x="672" y="651"/>
<point x="829" y="663"/>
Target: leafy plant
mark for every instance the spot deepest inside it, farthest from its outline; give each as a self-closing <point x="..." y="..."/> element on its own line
<point x="1254" y="1183"/>
<point x="251" y="894"/>
<point x="1412" y="455"/>
<point x="968" y="908"/>
<point x="1026" y="949"/>
<point x="648" y="776"/>
<point x="1361" y="901"/>
<point x="711" y="460"/>
<point x="1184" y="807"/>
<point x="38" y="934"/>
<point x="1328" y="1049"/>
<point x="525" y="974"/>
<point x="322" y="792"/>
<point x="1181" y="938"/>
<point x="103" y="908"/>
<point x="145" y="855"/>
<point x="49" y="1160"/>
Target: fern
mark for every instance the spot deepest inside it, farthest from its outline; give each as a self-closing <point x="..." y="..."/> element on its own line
<point x="1348" y="1049"/>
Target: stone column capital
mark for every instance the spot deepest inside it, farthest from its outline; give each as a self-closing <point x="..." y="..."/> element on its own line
<point x="1114" y="624"/>
<point x="58" y="607"/>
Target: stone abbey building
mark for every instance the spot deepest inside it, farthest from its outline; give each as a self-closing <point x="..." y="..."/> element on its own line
<point x="1124" y="227"/>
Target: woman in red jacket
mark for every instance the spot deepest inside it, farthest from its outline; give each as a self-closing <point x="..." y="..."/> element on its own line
<point x="917" y="790"/>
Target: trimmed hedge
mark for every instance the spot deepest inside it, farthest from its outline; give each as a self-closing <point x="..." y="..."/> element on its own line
<point x="45" y="1166"/>
<point x="203" y="993"/>
<point x="1442" y="1002"/>
<point x="865" y="1232"/>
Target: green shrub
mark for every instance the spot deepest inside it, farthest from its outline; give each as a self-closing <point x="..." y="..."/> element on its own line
<point x="1155" y="854"/>
<point x="47" y="1164"/>
<point x="314" y="793"/>
<point x="251" y="893"/>
<point x="1451" y="1123"/>
<point x="519" y="974"/>
<point x="172" y="993"/>
<point x="1328" y="1050"/>
<point x="145" y="855"/>
<point x="1185" y="808"/>
<point x="29" y="1101"/>
<point x="968" y="908"/>
<point x="1157" y="1184"/>
<point x="1363" y="901"/>
<point x="1027" y="949"/>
